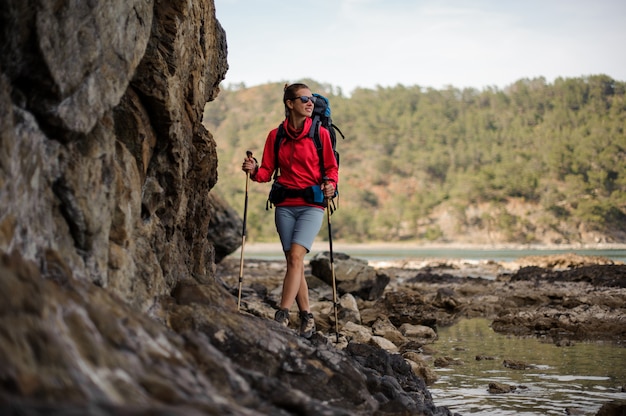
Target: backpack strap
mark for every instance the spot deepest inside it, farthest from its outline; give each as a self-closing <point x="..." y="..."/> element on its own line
<point x="314" y="134"/>
<point x="337" y="128"/>
<point x="320" y="153"/>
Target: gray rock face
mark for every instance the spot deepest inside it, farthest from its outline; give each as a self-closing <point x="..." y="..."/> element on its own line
<point x="105" y="160"/>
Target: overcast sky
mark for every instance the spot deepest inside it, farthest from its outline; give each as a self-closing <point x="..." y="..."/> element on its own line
<point x="473" y="43"/>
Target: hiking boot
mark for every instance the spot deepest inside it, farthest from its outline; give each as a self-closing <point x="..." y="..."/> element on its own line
<point x="307" y="324"/>
<point x="282" y="317"/>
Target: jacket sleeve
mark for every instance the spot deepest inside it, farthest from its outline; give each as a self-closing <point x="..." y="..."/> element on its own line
<point x="268" y="162"/>
<point x="330" y="163"/>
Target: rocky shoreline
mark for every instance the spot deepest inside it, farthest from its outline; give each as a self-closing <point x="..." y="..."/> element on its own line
<point x="398" y="306"/>
<point x="562" y="297"/>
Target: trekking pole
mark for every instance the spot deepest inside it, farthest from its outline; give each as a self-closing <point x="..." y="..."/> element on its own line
<point x="332" y="265"/>
<point x="243" y="233"/>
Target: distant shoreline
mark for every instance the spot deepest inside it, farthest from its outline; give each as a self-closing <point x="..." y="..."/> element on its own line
<point x="464" y="256"/>
<point x="319" y="246"/>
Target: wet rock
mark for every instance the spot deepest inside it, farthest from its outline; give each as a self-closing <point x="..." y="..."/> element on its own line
<point x="574" y="411"/>
<point x="384" y="328"/>
<point x="586" y="321"/>
<point x="610" y="275"/>
<point x="388" y="372"/>
<point x="561" y="261"/>
<point x="443" y="362"/>
<point x="564" y="343"/>
<point x="445" y="299"/>
<point x="420" y="367"/>
<point x="614" y="408"/>
<point x="516" y="365"/>
<point x="500" y="388"/>
<point x="412" y="346"/>
<point x="406" y="307"/>
<point x="564" y="305"/>
<point x="429" y="276"/>
<point x="422" y="333"/>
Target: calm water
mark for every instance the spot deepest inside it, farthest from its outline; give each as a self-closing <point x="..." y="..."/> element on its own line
<point x="374" y="253"/>
<point x="476" y="254"/>
<point x="582" y="376"/>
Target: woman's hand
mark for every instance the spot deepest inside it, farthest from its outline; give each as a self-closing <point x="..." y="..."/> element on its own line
<point x="249" y="165"/>
<point x="328" y="188"/>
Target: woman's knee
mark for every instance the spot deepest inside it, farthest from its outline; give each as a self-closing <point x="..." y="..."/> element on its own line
<point x="296" y="254"/>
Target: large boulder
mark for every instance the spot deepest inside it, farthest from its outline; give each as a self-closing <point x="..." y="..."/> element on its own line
<point x="225" y="227"/>
<point x="352" y="275"/>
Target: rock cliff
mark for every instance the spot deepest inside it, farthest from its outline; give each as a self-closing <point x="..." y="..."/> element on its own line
<point x="106" y="169"/>
<point x="109" y="232"/>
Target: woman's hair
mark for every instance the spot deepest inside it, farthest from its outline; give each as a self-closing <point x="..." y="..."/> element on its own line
<point x="290" y="94"/>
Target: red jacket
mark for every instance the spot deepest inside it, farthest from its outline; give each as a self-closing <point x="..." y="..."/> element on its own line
<point x="298" y="161"/>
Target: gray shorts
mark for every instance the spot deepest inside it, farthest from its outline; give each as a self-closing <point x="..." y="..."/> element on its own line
<point x="298" y="225"/>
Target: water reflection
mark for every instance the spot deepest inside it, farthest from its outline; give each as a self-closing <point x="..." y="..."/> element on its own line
<point x="582" y="376"/>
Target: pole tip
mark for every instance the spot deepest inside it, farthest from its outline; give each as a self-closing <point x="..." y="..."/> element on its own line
<point x="248" y="153"/>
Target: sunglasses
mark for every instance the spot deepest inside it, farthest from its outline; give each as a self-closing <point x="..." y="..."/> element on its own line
<point x="304" y="99"/>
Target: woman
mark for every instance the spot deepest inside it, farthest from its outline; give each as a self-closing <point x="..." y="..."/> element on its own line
<point x="298" y="220"/>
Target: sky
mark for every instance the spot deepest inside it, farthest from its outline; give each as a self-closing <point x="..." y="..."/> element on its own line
<point x="464" y="44"/>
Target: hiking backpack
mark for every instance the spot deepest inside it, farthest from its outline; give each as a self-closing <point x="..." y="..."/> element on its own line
<point x="321" y="118"/>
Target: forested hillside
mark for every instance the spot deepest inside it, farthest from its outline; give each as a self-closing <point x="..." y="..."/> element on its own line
<point x="533" y="163"/>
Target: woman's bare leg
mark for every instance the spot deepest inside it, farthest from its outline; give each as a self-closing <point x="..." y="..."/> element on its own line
<point x="294" y="285"/>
